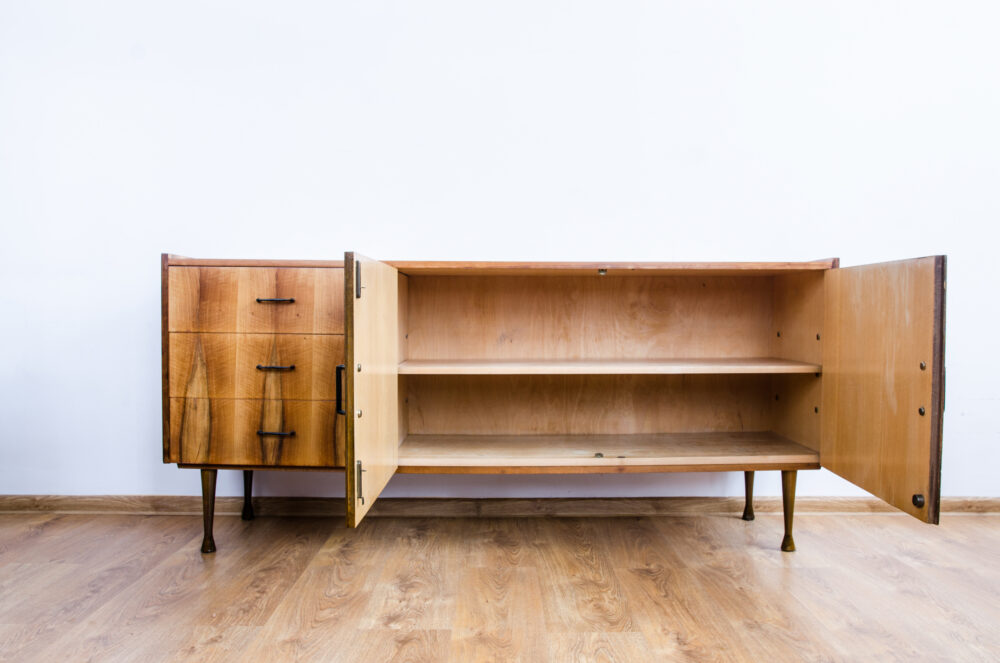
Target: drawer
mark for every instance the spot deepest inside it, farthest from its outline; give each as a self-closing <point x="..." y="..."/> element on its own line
<point x="310" y="300"/>
<point x="226" y="365"/>
<point x="212" y="431"/>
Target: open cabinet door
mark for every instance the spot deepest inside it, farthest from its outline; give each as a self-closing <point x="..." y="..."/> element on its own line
<point x="883" y="381"/>
<point x="371" y="384"/>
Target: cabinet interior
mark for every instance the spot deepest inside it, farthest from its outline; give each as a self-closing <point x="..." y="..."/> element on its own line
<point x="615" y="372"/>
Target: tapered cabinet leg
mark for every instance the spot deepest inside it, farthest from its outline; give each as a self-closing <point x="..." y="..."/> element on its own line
<point x="208" y="508"/>
<point x="788" y="502"/>
<point x="247" y="495"/>
<point x="748" y="484"/>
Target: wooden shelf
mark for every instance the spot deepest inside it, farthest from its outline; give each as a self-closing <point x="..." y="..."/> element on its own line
<point x="766" y="365"/>
<point x="558" y="454"/>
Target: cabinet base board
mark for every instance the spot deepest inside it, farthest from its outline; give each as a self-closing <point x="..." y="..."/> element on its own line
<point x="468" y="508"/>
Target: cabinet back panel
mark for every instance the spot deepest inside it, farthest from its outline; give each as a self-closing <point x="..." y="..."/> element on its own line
<point x="589" y="317"/>
<point x="588" y="404"/>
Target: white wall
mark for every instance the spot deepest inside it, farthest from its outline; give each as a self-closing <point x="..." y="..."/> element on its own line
<point x="524" y="129"/>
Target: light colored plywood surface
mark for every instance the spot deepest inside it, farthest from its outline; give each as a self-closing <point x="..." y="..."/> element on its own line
<point x="474" y="268"/>
<point x="604" y="453"/>
<point x="882" y="323"/>
<point x="231" y="365"/>
<point x="605" y="366"/>
<point x="560" y="318"/>
<point x="224" y="432"/>
<point x="588" y="404"/>
<point x="372" y="398"/>
<point x="797" y="328"/>
<point x="224" y="299"/>
<point x="797" y="408"/>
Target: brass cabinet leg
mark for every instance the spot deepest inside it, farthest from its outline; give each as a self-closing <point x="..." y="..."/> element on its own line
<point x="788" y="502"/>
<point x="748" y="483"/>
<point x="208" y="507"/>
<point x="247" y="494"/>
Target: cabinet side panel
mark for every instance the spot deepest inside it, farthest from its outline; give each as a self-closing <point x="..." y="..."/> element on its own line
<point x="797" y="329"/>
<point x="883" y="355"/>
<point x="171" y="453"/>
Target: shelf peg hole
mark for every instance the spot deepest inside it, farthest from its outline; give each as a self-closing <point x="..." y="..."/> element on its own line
<point x="923" y="365"/>
<point x="816" y="410"/>
<point x="817" y="337"/>
<point x="922" y="411"/>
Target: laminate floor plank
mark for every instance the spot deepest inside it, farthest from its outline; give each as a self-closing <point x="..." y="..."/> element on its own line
<point x="646" y="588"/>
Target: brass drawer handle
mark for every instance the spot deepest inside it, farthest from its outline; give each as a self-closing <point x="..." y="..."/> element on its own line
<point x="275" y="300"/>
<point x="261" y="367"/>
<point x="271" y="433"/>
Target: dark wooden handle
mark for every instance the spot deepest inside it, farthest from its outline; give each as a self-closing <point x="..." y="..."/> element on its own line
<point x="275" y="300"/>
<point x="340" y="389"/>
<point x="261" y="367"/>
<point x="269" y="433"/>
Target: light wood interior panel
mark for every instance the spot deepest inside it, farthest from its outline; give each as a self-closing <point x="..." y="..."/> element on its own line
<point x="593" y="269"/>
<point x="531" y="454"/>
<point x="372" y="403"/>
<point x="764" y="365"/>
<point x="229" y="363"/>
<point x="588" y="404"/>
<point x="573" y="318"/>
<point x="224" y="432"/>
<point x="224" y="299"/>
<point x="797" y="404"/>
<point x="883" y="358"/>
<point x="797" y="331"/>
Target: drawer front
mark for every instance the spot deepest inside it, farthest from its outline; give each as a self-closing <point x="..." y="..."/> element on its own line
<point x="256" y="299"/>
<point x="211" y="431"/>
<point x="254" y="366"/>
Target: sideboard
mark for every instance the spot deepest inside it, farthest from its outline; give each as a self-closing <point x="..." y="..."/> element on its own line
<point x="377" y="368"/>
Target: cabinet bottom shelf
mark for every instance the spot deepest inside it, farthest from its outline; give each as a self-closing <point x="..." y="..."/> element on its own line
<point x="594" y="454"/>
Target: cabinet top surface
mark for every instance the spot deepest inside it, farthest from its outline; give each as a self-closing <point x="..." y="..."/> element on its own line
<point x="499" y="268"/>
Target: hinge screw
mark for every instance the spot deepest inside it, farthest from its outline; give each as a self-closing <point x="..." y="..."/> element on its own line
<point x="359" y="414"/>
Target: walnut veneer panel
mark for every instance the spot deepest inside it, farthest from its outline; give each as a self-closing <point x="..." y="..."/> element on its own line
<point x="561" y="318"/>
<point x="224" y="432"/>
<point x="225" y="365"/>
<point x="588" y="404"/>
<point x="224" y="299"/>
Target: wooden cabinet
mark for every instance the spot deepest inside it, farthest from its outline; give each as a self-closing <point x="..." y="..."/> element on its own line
<point x="546" y="368"/>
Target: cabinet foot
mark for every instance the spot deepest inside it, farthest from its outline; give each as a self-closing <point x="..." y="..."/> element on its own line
<point x="247" y="495"/>
<point x="208" y="508"/>
<point x="748" y="483"/>
<point x="788" y="502"/>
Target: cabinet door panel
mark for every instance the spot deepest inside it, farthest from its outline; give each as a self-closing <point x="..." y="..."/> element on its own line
<point x="371" y="299"/>
<point x="883" y="368"/>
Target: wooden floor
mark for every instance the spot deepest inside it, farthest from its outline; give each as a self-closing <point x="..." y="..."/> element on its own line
<point x="870" y="587"/>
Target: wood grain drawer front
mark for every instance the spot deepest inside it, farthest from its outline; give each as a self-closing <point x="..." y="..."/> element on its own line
<point x="234" y="299"/>
<point x="211" y="431"/>
<point x="226" y="365"/>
